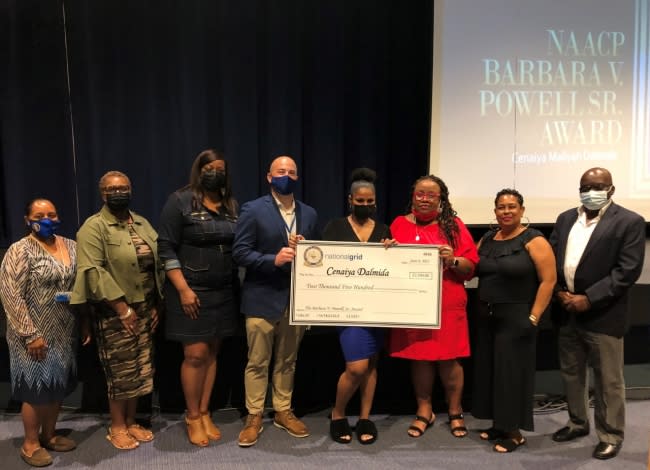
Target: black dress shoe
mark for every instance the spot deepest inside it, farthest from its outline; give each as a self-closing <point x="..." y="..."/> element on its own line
<point x="567" y="434"/>
<point x="604" y="451"/>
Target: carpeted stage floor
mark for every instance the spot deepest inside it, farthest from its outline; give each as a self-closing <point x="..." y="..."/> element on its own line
<point x="437" y="449"/>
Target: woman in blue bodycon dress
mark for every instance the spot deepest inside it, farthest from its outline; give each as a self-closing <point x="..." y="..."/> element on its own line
<point x="360" y="345"/>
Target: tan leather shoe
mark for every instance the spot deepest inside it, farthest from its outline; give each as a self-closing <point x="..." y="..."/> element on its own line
<point x="287" y="420"/>
<point x="39" y="458"/>
<point x="252" y="429"/>
<point x="58" y="444"/>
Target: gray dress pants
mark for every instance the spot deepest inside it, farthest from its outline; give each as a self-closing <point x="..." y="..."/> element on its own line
<point x="578" y="350"/>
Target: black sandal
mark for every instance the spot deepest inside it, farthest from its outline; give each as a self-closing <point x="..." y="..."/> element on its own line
<point x="490" y="434"/>
<point x="510" y="445"/>
<point x="455" y="429"/>
<point x="340" y="428"/>
<point x="428" y="422"/>
<point x="365" y="426"/>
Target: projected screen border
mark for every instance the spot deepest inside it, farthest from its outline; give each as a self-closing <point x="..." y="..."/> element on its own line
<point x="478" y="150"/>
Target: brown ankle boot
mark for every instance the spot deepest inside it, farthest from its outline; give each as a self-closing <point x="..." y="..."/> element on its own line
<point x="252" y="429"/>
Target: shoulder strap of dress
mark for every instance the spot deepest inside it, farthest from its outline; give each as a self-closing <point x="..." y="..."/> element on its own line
<point x="530" y="234"/>
<point x="488" y="235"/>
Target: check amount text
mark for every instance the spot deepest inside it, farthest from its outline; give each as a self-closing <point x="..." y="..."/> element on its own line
<point x="340" y="286"/>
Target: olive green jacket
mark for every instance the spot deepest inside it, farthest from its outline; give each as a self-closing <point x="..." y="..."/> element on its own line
<point x="107" y="265"/>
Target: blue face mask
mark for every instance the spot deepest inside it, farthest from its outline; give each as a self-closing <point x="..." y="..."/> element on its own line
<point x="594" y="200"/>
<point x="44" y="228"/>
<point x="283" y="184"/>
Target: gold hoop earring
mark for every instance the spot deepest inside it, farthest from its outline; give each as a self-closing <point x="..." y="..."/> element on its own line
<point x="527" y="224"/>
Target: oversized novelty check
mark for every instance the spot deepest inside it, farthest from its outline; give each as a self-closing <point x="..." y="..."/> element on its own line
<point x="365" y="284"/>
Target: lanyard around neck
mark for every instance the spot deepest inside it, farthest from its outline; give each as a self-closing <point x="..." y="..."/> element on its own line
<point x="287" y="226"/>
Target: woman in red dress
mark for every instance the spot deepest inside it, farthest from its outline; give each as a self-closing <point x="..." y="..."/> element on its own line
<point x="432" y="220"/>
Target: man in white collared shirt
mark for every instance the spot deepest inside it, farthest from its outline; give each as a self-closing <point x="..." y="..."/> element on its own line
<point x="577" y="242"/>
<point x="599" y="248"/>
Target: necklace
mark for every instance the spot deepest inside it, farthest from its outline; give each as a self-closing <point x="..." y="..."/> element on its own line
<point x="60" y="266"/>
<point x="512" y="234"/>
<point x="417" y="232"/>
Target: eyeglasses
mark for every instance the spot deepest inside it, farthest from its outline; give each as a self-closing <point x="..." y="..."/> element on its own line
<point x="117" y="189"/>
<point x="422" y="196"/>
<point x="594" y="187"/>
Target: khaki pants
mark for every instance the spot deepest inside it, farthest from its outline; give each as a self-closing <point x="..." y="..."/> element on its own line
<point x="266" y="338"/>
<point x="579" y="349"/>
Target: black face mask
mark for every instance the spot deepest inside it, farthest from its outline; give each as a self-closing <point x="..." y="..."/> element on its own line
<point x="118" y="201"/>
<point x="213" y="180"/>
<point x="363" y="212"/>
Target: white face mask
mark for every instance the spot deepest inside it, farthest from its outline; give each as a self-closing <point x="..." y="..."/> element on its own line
<point x="594" y="200"/>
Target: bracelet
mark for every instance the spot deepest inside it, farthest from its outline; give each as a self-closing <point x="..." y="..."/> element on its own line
<point x="30" y="339"/>
<point x="129" y="312"/>
<point x="533" y="319"/>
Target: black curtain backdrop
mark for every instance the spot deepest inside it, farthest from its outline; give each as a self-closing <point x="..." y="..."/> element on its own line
<point x="143" y="86"/>
<point x="336" y="84"/>
<point x="35" y="138"/>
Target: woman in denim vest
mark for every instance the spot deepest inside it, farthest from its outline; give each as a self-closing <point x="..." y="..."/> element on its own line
<point x="197" y="226"/>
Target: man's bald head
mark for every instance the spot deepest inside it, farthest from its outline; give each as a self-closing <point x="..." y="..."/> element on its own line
<point x="596" y="176"/>
<point x="281" y="166"/>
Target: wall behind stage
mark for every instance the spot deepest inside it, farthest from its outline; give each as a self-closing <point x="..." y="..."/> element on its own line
<point x="142" y="87"/>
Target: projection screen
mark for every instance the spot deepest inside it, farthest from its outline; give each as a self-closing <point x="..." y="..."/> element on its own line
<point x="529" y="94"/>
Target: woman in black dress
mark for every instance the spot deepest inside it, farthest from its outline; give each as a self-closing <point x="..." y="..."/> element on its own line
<point x="360" y="345"/>
<point x="516" y="278"/>
<point x="197" y="227"/>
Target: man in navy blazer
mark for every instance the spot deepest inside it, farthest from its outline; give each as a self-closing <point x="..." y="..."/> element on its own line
<point x="599" y="248"/>
<point x="265" y="239"/>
